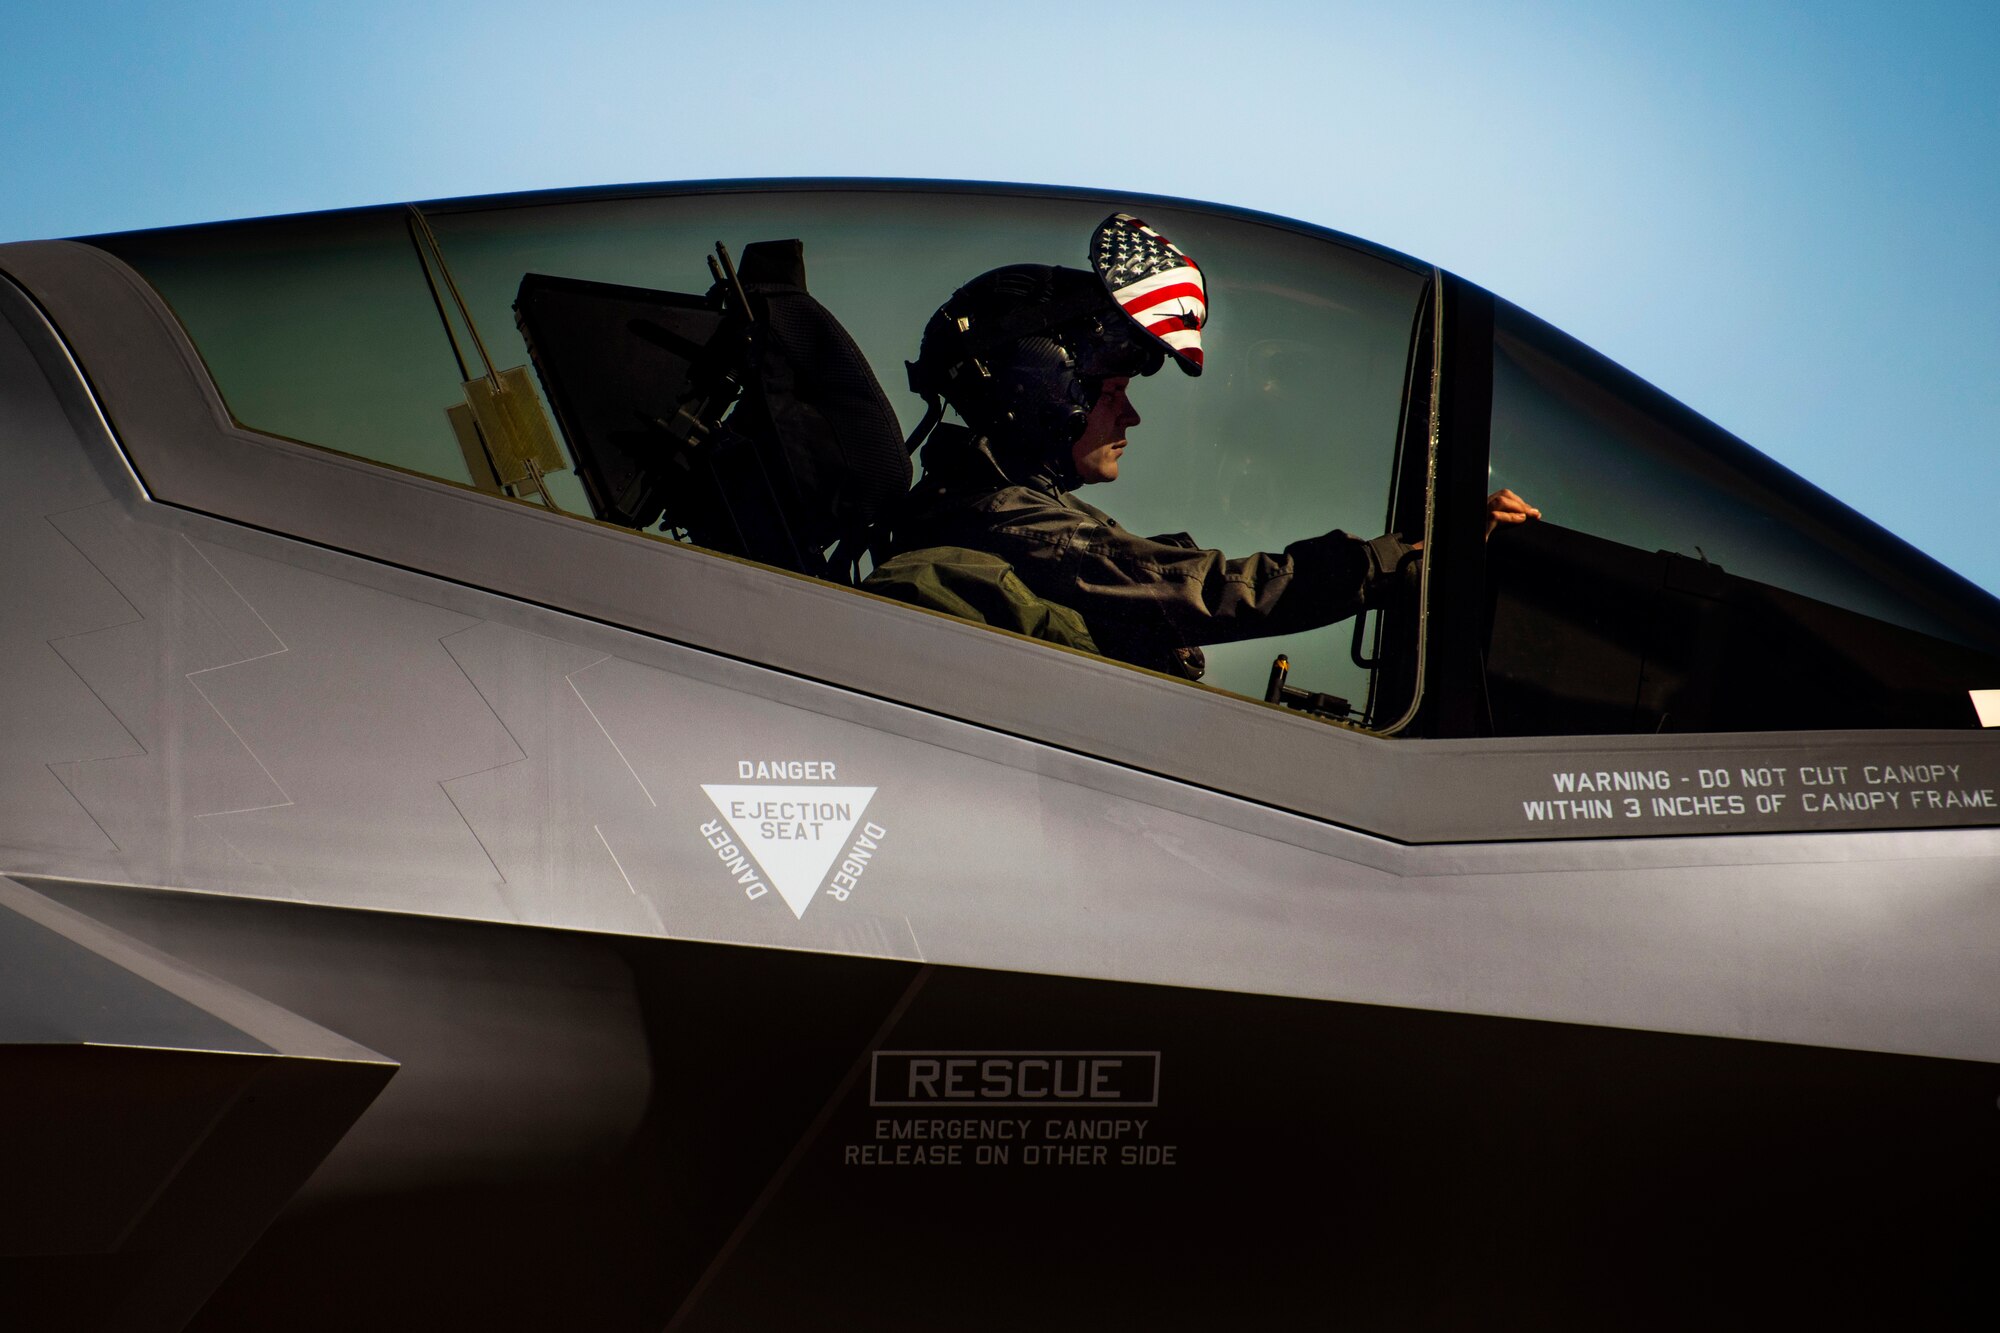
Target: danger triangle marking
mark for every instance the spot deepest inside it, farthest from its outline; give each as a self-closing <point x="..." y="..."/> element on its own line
<point x="794" y="833"/>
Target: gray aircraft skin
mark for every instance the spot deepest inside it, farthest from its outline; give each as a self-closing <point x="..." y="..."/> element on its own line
<point x="398" y="929"/>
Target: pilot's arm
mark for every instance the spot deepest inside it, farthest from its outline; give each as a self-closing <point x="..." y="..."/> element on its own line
<point x="1170" y="591"/>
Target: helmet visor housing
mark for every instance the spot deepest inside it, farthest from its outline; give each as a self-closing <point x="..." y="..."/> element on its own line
<point x="1158" y="287"/>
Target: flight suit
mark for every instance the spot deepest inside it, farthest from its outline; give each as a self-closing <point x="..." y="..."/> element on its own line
<point x="1151" y="601"/>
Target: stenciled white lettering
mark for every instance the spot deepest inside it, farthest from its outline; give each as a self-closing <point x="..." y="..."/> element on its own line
<point x="1929" y="775"/>
<point x="1682" y="807"/>
<point x="1970" y="798"/>
<point x="848" y="877"/>
<point x="784" y="770"/>
<point x="1823" y="802"/>
<point x="1594" y="808"/>
<point x="1657" y="779"/>
<point x="734" y="860"/>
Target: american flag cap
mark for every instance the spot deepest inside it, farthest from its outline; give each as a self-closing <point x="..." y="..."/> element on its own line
<point x="1154" y="283"/>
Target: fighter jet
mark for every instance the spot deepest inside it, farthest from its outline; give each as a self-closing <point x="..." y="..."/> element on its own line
<point x="485" y="847"/>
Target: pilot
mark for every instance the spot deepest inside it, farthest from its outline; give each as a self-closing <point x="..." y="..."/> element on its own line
<point x="1038" y="363"/>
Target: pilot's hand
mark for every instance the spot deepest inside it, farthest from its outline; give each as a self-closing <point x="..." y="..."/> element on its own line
<point x="1504" y="506"/>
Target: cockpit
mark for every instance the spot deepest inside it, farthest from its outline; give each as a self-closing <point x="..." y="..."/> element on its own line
<point x="609" y="357"/>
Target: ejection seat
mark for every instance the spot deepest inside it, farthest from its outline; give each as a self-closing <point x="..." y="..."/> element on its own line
<point x="745" y="418"/>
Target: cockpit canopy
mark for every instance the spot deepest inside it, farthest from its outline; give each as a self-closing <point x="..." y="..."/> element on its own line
<point x="573" y="352"/>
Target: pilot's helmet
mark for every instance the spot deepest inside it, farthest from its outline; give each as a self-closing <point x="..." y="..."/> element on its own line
<point x="1021" y="352"/>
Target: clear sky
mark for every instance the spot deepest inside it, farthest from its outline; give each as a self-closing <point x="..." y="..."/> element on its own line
<point x="1786" y="215"/>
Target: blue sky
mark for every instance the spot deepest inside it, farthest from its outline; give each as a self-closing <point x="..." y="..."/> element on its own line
<point x="1787" y="215"/>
